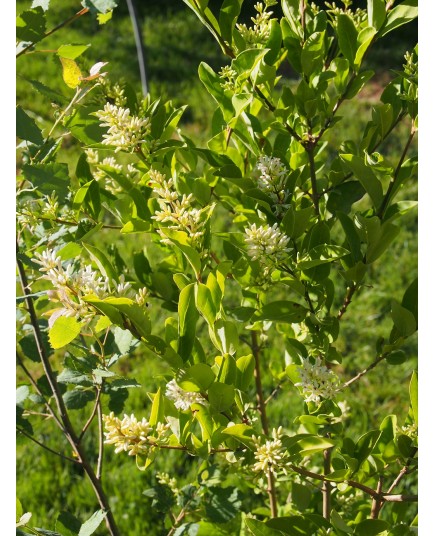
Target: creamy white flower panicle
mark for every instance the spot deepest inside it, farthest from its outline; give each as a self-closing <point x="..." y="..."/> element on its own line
<point x="133" y="436"/>
<point x="101" y="175"/>
<point x="71" y="286"/>
<point x="266" y="242"/>
<point x="176" y="210"/>
<point x="228" y="74"/>
<point x="271" y="180"/>
<point x="260" y="32"/>
<point x="317" y="381"/>
<point x="125" y="131"/>
<point x="182" y="399"/>
<point x="271" y="456"/>
<point x="165" y="478"/>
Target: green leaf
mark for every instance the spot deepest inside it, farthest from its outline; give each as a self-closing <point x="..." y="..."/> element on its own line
<point x="366" y="444"/>
<point x="242" y="432"/>
<point x="245" y="369"/>
<point x="404" y="323"/>
<point x="187" y="319"/>
<point x="371" y="527"/>
<point x="43" y="3"/>
<point x="364" y="39"/>
<point x="197" y="378"/>
<point x="339" y="523"/>
<point x="282" y="311"/>
<point x="221" y="396"/>
<point x="51" y="94"/>
<point x="222" y="504"/>
<point x="22" y="394"/>
<point x="67" y="524"/>
<point x="296" y="525"/>
<point x="204" y="303"/>
<point x="87" y="198"/>
<point x="71" y="51"/>
<point x="212" y="82"/>
<point x="99" y="6"/>
<point x="347" y="37"/>
<point x="201" y="413"/>
<point x="64" y="330"/>
<point x="90" y="526"/>
<point x="376" y="13"/>
<point x="78" y="399"/>
<point x="31" y="25"/>
<point x="300" y="496"/>
<point x="48" y="178"/>
<point x="414" y="396"/>
<point x="180" y="240"/>
<point x="102" y="262"/>
<point x="26" y="128"/>
<point x="84" y="126"/>
<point x="257" y="528"/>
<point x="401" y="14"/>
<point x="366" y="176"/>
<point x="229" y="12"/>
<point x="224" y="336"/>
<point x="319" y="255"/>
<point x="157" y="410"/>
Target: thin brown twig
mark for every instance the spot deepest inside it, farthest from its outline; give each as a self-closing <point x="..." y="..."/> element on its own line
<point x="348" y="297"/>
<point x="21" y="431"/>
<point x="100" y="440"/>
<point x="367" y="369"/>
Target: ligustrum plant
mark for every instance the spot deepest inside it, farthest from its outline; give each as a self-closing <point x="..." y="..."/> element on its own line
<point x="234" y="267"/>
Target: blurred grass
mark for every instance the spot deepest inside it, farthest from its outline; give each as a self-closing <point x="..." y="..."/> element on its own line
<point x="175" y="44"/>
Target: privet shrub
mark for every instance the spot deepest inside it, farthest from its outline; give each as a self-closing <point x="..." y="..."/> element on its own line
<point x="230" y="262"/>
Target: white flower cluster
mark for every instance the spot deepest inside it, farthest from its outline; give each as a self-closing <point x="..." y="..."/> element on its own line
<point x="266" y="243"/>
<point x="133" y="436"/>
<point x="182" y="399"/>
<point x="271" y="456"/>
<point x="317" y="381"/>
<point x="73" y="285"/>
<point x="125" y="131"/>
<point x="177" y="210"/>
<point x="164" y="478"/>
<point x="410" y="430"/>
<point x="272" y="180"/>
<point x="260" y="32"/>
<point x="130" y="171"/>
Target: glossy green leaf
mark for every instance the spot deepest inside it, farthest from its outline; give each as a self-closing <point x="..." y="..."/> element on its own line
<point x="403" y="13"/>
<point x="197" y="378"/>
<point x="257" y="528"/>
<point x="282" y="311"/>
<point x="221" y="396"/>
<point x="366" y="176"/>
<point x="71" y="51"/>
<point x="224" y="336"/>
<point x="229" y="12"/>
<point x="245" y="368"/>
<point x="404" y="323"/>
<point x="64" y="330"/>
<point x="157" y="409"/>
<point x="102" y="262"/>
<point x="347" y="37"/>
<point x="371" y="527"/>
<point x="187" y="318"/>
<point x="204" y="303"/>
<point x="67" y="524"/>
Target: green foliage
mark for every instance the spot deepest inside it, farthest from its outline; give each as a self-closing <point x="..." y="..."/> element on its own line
<point x="234" y="280"/>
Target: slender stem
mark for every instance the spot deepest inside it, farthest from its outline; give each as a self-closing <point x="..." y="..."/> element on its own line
<point x="21" y="431"/>
<point x="66" y="222"/>
<point x="100" y="440"/>
<point x="348" y="297"/>
<point x="367" y="369"/>
<point x="55" y="29"/>
<point x="376" y="503"/>
<point x="327" y="486"/>
<point x="258" y="380"/>
<point x="92" y="415"/>
<point x="177" y="521"/>
<point x="310" y="148"/>
<point x="390" y="189"/>
<point x="372" y="492"/>
<point x="271" y="488"/>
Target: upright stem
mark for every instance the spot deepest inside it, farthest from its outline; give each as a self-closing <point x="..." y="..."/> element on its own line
<point x="376" y="503"/>
<point x="310" y="148"/>
<point x="271" y="488"/>
<point x="327" y="486"/>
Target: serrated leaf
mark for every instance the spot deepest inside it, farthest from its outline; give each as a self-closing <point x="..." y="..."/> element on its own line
<point x="26" y="128"/>
<point x="99" y="6"/>
<point x="31" y="25"/>
<point x="67" y="524"/>
<point x="64" y="330"/>
<point x="90" y="526"/>
<point x="48" y="178"/>
<point x="77" y="398"/>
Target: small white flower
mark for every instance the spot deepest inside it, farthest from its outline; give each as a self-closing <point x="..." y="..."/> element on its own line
<point x="182" y="399"/>
<point x="271" y="456"/>
<point x="271" y="180"/>
<point x="317" y="381"/>
<point x="266" y="241"/>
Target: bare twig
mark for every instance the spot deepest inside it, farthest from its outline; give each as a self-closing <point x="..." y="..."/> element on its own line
<point x="21" y="431"/>
<point x="327" y="486"/>
<point x="348" y="297"/>
<point x="367" y="369"/>
<point x="376" y="503"/>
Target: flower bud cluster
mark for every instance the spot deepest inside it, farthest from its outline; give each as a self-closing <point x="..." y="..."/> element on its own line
<point x="317" y="381"/>
<point x="272" y="179"/>
<point x="133" y="436"/>
<point x="166" y="479"/>
<point x="176" y="210"/>
<point x="266" y="244"/>
<point x="260" y="32"/>
<point x="72" y="286"/>
<point x="229" y="75"/>
<point x="126" y="132"/>
<point x="271" y="456"/>
<point x="182" y="399"/>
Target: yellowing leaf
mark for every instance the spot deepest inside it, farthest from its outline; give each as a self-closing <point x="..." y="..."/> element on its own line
<point x="71" y="72"/>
